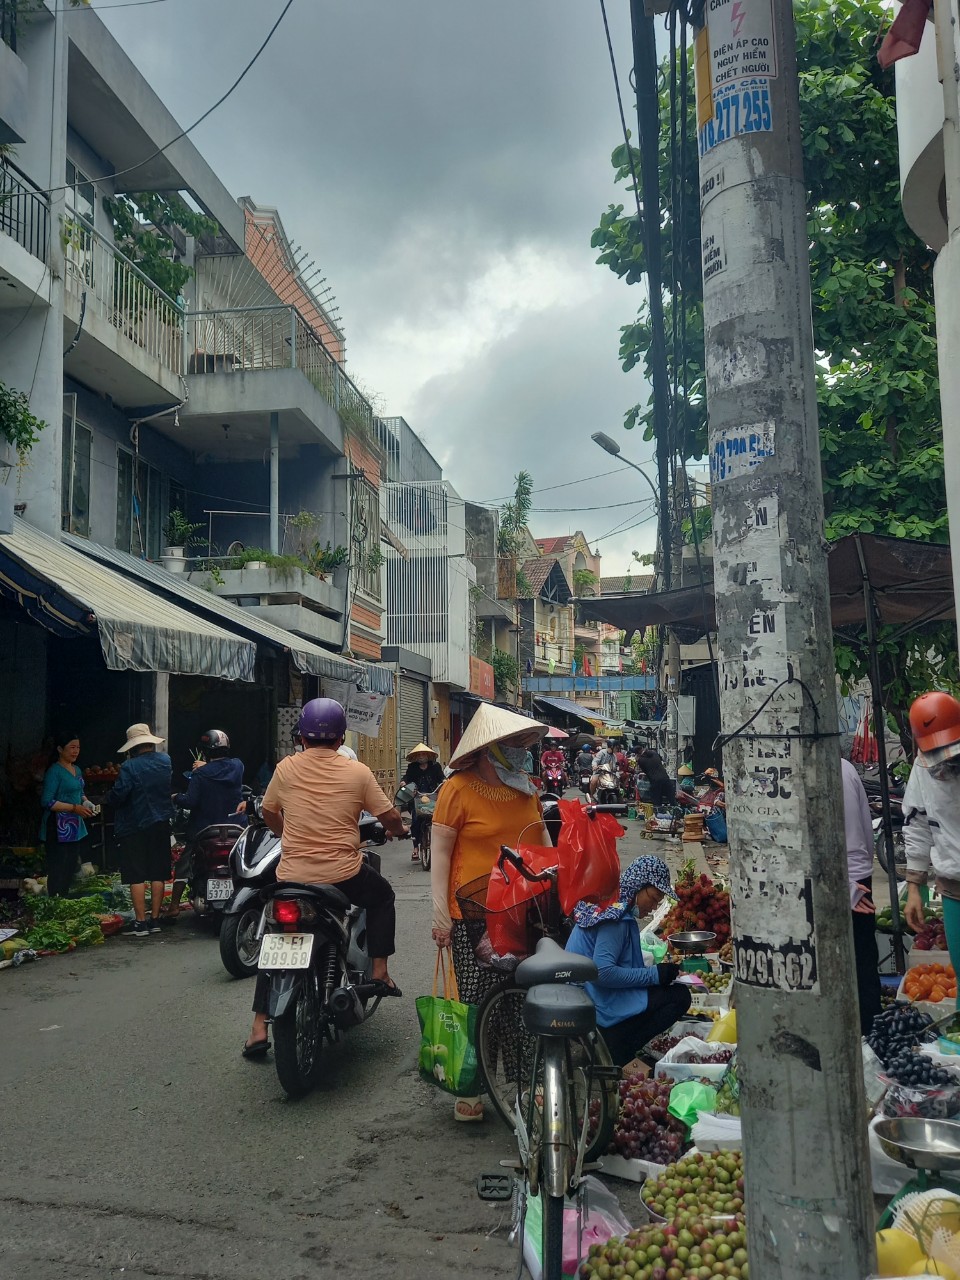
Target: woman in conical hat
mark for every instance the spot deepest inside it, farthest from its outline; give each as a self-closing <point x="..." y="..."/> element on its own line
<point x="488" y="801"/>
<point x="425" y="772"/>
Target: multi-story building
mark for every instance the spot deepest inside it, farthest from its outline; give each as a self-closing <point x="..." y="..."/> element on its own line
<point x="224" y="400"/>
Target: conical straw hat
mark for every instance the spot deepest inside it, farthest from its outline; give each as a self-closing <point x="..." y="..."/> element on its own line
<point x="492" y="724"/>
<point x="421" y="749"/>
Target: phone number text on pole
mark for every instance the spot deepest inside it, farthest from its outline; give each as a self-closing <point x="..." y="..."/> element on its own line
<point x="738" y="110"/>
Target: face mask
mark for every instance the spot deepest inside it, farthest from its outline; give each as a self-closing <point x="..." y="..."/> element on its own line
<point x="511" y="774"/>
<point x="944" y="772"/>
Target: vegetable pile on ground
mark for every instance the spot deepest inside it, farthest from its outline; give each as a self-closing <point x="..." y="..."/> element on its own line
<point x="932" y="982"/>
<point x="701" y="904"/>
<point x="645" y="1129"/>
<point x="60" y="924"/>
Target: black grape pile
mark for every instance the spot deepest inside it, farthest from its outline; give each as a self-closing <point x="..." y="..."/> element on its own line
<point x="910" y="1067"/>
<point x="896" y="1029"/>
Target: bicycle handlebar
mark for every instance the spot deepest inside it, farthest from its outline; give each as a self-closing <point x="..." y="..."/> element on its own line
<point x="510" y="855"/>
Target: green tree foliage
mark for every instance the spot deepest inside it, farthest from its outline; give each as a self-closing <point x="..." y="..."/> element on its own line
<point x="143" y="223"/>
<point x="873" y="315"/>
<point x="514" y="516"/>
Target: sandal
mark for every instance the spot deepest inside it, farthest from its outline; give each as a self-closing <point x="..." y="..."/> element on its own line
<point x="258" y="1049"/>
<point x="381" y="988"/>
<point x="468" y="1110"/>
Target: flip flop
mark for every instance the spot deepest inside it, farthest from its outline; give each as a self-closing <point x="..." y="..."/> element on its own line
<point x="382" y="988"/>
<point x="258" y="1049"/>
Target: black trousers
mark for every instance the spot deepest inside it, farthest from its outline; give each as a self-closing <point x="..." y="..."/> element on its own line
<point x="867" y="958"/>
<point x="664" y="1006"/>
<point x="663" y="791"/>
<point x="62" y="860"/>
<point x="367" y="889"/>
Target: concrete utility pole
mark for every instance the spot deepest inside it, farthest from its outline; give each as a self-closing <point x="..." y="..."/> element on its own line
<point x="809" y="1201"/>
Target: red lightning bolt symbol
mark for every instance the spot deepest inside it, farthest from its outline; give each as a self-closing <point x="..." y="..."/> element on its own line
<point x="738" y="16"/>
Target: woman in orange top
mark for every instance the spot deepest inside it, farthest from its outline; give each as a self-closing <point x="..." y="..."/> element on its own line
<point x="489" y="801"/>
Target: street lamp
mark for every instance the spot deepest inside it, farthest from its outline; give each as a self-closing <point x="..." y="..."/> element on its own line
<point x="609" y="445"/>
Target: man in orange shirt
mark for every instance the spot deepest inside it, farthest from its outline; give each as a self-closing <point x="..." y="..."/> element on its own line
<point x="313" y="802"/>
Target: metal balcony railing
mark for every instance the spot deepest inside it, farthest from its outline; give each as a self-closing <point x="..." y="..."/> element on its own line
<point x="8" y="23"/>
<point x="252" y="338"/>
<point x="24" y="211"/>
<point x="118" y="291"/>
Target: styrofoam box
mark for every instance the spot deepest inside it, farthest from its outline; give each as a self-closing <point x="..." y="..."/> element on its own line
<point x="672" y="1067"/>
<point x="629" y="1170"/>
<point x="915" y="957"/>
<point x="710" y="1000"/>
<point x="717" y="1132"/>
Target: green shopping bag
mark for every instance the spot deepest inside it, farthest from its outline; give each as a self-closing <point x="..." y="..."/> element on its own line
<point x="448" y="1056"/>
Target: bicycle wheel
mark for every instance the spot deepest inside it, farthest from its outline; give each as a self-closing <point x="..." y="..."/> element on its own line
<point x="505" y="1054"/>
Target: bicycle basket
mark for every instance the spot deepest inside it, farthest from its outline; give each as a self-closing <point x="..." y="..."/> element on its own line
<point x="502" y="938"/>
<point x="426" y="805"/>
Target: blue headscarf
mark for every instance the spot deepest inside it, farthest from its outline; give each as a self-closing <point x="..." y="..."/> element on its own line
<point x="643" y="871"/>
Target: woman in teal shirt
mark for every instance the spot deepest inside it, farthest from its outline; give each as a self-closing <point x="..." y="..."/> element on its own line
<point x="62" y="827"/>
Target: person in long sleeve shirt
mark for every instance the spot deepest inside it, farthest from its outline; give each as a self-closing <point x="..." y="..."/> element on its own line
<point x="858" y="837"/>
<point x="635" y="1001"/>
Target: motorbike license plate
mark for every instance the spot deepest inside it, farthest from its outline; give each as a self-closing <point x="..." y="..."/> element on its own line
<point x="219" y="890"/>
<point x="285" y="950"/>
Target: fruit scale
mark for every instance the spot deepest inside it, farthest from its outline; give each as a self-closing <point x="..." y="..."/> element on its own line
<point x="929" y="1147"/>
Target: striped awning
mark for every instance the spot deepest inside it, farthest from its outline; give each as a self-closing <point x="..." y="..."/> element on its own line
<point x="70" y="594"/>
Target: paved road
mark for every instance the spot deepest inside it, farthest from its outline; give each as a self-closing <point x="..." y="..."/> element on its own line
<point x="137" y="1142"/>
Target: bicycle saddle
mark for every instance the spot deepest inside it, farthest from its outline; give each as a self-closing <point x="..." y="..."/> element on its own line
<point x="552" y="964"/>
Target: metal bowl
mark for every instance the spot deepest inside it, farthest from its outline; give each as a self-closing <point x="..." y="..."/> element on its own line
<point x="694" y="943"/>
<point x="921" y="1144"/>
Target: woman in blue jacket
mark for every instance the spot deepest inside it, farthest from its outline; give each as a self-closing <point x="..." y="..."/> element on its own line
<point x="635" y="1001"/>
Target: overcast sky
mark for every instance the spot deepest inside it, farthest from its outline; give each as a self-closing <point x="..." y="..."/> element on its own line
<point x="445" y="164"/>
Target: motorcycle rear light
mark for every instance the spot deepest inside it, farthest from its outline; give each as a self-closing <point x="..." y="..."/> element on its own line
<point x="286" y="912"/>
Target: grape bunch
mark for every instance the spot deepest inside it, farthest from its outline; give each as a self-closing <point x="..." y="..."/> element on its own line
<point x="645" y="1129"/>
<point x="721" y="1055"/>
<point x="910" y="1067"/>
<point x="899" y="1027"/>
<point x="662" y="1044"/>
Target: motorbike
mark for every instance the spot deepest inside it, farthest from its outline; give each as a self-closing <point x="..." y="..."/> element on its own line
<point x="555" y="779"/>
<point x="210" y="884"/>
<point x="880" y="844"/>
<point x="608" y="787"/>
<point x="313" y="946"/>
<point x="584" y="782"/>
<point x="253" y="865"/>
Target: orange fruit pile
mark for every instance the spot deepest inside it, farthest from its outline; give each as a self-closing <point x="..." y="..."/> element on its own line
<point x="933" y="982"/>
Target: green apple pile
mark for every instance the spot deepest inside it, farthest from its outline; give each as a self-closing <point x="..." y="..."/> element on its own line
<point x="691" y="1248"/>
<point x="701" y="1183"/>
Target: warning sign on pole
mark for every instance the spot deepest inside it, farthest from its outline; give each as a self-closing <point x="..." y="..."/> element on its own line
<point x="741" y="40"/>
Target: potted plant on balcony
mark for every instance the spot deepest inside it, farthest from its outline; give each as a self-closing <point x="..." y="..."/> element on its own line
<point x="178" y="534"/>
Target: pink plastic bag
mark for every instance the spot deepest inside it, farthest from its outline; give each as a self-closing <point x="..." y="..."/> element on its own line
<point x="600" y="1221"/>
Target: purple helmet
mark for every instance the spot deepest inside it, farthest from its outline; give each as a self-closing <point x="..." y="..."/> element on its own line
<point x="322" y="720"/>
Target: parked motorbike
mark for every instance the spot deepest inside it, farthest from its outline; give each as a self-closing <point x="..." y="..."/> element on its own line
<point x="210" y="883"/>
<point x="313" y="945"/>
<point x="880" y="844"/>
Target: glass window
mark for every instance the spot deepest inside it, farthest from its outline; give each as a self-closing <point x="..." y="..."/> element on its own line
<point x="75" y="487"/>
<point x="367" y="523"/>
<point x="140" y="512"/>
<point x="80" y="194"/>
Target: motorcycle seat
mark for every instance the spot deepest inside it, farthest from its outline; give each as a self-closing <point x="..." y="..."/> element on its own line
<point x="219" y="831"/>
<point x="329" y="894"/>
<point x="551" y="964"/>
<point x="559" y="1011"/>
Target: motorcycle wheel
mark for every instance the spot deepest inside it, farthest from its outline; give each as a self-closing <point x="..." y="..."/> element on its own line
<point x="298" y="1039"/>
<point x="425" y="845"/>
<point x="239" y="948"/>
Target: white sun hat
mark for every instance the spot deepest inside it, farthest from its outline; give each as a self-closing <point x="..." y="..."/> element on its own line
<point x="137" y="736"/>
<point x="493" y="724"/>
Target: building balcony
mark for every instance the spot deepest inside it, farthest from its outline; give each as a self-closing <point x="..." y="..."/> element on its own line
<point x="245" y="364"/>
<point x="290" y="598"/>
<point x="129" y="332"/>
<point x="24" y="236"/>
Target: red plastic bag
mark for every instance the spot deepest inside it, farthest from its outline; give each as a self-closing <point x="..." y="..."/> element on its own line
<point x="509" y="896"/>
<point x="589" y="865"/>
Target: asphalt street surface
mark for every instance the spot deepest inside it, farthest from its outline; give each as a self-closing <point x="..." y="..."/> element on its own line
<point x="136" y="1141"/>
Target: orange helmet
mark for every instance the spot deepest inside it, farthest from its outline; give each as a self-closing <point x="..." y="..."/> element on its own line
<point x="935" y="722"/>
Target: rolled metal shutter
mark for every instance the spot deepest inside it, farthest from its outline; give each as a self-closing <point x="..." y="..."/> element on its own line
<point x="413" y="706"/>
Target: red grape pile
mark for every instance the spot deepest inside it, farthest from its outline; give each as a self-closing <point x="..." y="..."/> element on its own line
<point x="700" y="905"/>
<point x="721" y="1055"/>
<point x="664" y="1042"/>
<point x="931" y="937"/>
<point x="645" y="1129"/>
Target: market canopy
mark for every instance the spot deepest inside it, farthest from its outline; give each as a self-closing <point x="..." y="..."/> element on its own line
<point x="70" y="595"/>
<point x="307" y="656"/>
<point x="911" y="583"/>
<point x="571" y="708"/>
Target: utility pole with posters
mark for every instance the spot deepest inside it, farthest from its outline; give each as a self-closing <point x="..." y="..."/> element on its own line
<point x="809" y="1205"/>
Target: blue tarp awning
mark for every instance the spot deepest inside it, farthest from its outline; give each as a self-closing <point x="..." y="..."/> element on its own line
<point x="570" y="708"/>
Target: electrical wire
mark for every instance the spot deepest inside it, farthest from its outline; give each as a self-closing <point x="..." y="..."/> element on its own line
<point x="623" y="118"/>
<point x="492" y="502"/>
<point x="120" y="173"/>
